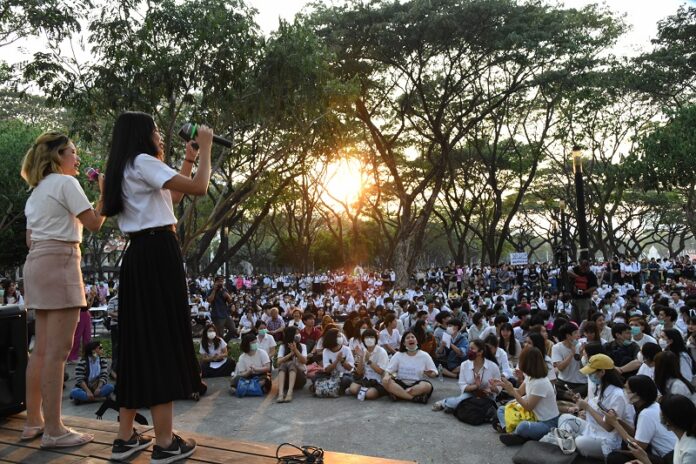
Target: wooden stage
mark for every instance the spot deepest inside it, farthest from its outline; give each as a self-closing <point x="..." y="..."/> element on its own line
<point x="210" y="449"/>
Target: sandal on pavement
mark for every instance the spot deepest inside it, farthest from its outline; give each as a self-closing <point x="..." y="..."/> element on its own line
<point x="29" y="433"/>
<point x="70" y="438"/>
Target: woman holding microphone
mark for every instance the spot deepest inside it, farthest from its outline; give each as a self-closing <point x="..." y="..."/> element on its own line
<point x="157" y="364"/>
<point x="56" y="211"/>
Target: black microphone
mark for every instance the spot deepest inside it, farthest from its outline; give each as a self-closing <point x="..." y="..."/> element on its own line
<point x="189" y="130"/>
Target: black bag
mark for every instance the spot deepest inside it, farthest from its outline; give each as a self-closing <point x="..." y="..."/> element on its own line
<point x="476" y="411"/>
<point x="534" y="452"/>
<point x="13" y="359"/>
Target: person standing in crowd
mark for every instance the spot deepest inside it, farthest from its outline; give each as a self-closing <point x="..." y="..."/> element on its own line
<point x="56" y="211"/>
<point x="219" y="299"/>
<point x="157" y="363"/>
<point x="584" y="284"/>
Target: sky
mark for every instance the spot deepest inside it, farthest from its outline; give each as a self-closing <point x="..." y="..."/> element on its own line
<point x="642" y="15"/>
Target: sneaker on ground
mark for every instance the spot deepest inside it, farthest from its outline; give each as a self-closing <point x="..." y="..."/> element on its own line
<point x="178" y="450"/>
<point x="124" y="449"/>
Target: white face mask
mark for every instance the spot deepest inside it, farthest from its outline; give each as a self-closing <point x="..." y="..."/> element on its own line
<point x="370" y="342"/>
<point x="211" y="335"/>
<point x="339" y="339"/>
<point x="362" y="331"/>
<point x="450" y="330"/>
<point x="663" y="343"/>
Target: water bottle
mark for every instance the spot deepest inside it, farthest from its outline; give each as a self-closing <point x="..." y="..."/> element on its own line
<point x="439" y="373"/>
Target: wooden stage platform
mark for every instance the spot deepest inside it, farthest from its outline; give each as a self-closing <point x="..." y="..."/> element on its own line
<point x="210" y="449"/>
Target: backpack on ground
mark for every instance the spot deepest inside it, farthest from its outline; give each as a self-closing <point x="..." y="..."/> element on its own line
<point x="476" y="411"/>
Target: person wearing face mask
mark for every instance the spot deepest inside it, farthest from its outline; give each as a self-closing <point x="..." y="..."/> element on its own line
<point x="292" y="364"/>
<point x="213" y="351"/>
<point x="406" y="372"/>
<point x="478" y="327"/>
<point x="264" y="339"/>
<point x="678" y="415"/>
<point x="623" y="351"/>
<point x="597" y="437"/>
<point x="475" y="376"/>
<point x="647" y="432"/>
<point x="337" y="357"/>
<point x="253" y="362"/>
<point x="370" y="365"/>
<point x="671" y="340"/>
<point x="566" y="358"/>
<point x="453" y="349"/>
<point x="640" y="331"/>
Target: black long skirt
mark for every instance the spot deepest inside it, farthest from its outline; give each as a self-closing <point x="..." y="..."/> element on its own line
<point x="157" y="363"/>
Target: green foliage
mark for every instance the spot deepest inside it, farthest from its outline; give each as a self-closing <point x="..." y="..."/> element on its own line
<point x="16" y="138"/>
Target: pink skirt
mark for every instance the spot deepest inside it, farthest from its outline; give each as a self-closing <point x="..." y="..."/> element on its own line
<point x="53" y="277"/>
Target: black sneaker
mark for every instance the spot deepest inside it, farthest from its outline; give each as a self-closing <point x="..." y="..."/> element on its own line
<point x="178" y="450"/>
<point x="124" y="449"/>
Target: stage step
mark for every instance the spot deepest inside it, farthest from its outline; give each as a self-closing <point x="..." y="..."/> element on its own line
<point x="210" y="449"/>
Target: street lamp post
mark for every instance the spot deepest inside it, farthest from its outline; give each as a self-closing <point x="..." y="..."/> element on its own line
<point x="563" y="250"/>
<point x="580" y="201"/>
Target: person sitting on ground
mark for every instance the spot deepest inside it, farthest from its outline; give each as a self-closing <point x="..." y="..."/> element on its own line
<point x="567" y="360"/>
<point x="370" y="365"/>
<point x="292" y="364"/>
<point x="248" y="321"/>
<point x="91" y="375"/>
<point x="537" y="341"/>
<point x="648" y="353"/>
<point x="275" y="324"/>
<point x="337" y="357"/>
<point x="501" y="359"/>
<point x="451" y="357"/>
<point x="253" y="362"/>
<point x="424" y="336"/>
<point x="678" y="414"/>
<point x="389" y="337"/>
<point x="355" y="344"/>
<point x="475" y="376"/>
<point x="509" y="343"/>
<point x="623" y="350"/>
<point x="668" y="376"/>
<point x="597" y="437"/>
<point x="536" y="395"/>
<point x="213" y="351"/>
<point x="640" y="331"/>
<point x="647" y="432"/>
<point x="405" y="374"/>
<point x="296" y="320"/>
<point x="675" y="343"/>
<point x="265" y="341"/>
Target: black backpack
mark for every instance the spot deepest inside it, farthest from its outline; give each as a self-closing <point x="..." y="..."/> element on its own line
<point x="476" y="411"/>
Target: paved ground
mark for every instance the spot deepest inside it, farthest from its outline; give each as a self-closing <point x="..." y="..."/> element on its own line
<point x="376" y="428"/>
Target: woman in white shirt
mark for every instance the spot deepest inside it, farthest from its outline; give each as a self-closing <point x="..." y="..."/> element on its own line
<point x="292" y="364"/>
<point x="253" y="362"/>
<point x="389" y="337"/>
<point x="668" y="376"/>
<point x="647" y="432"/>
<point x="536" y="394"/>
<point x="476" y="375"/>
<point x="56" y="212"/>
<point x="337" y="357"/>
<point x="370" y="365"/>
<point x="247" y="321"/>
<point x="406" y="372"/>
<point x="213" y="351"/>
<point x="597" y="437"/>
<point x="675" y="344"/>
<point x="141" y="190"/>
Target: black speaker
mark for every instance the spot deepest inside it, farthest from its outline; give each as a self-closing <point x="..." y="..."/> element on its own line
<point x="13" y="359"/>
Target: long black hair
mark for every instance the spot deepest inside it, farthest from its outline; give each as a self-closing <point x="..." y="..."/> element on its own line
<point x="132" y="135"/>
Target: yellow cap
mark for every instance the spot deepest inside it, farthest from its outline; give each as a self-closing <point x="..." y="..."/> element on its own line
<point x="597" y="362"/>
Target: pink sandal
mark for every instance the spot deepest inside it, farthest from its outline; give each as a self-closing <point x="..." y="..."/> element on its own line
<point x="70" y="438"/>
<point x="29" y="433"/>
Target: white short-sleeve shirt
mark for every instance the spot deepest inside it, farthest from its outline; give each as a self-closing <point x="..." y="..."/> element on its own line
<point x="651" y="431"/>
<point x="411" y="369"/>
<point x="546" y="408"/>
<point x="146" y="203"/>
<point x="329" y="357"/>
<point x="53" y="207"/>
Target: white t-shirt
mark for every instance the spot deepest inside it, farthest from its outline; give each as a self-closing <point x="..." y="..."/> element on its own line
<point x="411" y="369"/>
<point x="53" y="207"/>
<point x="677" y="387"/>
<point x="645" y="339"/>
<point x="549" y="366"/>
<point x="546" y="408"/>
<point x="379" y="357"/>
<point x="266" y="344"/>
<point x="650" y="430"/>
<point x="146" y="203"/>
<point x="212" y="351"/>
<point x="329" y="357"/>
<point x="303" y="350"/>
<point x="647" y="370"/>
<point x="685" y="452"/>
<point x="572" y="372"/>
<point x="258" y="360"/>
<point x="393" y="340"/>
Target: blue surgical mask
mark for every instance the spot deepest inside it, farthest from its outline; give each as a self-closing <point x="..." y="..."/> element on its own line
<point x="594" y="379"/>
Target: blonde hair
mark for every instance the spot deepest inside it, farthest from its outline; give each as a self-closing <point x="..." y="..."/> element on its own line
<point x="43" y="158"/>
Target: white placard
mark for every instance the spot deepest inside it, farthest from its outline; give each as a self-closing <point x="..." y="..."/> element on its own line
<point x="517" y="259"/>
